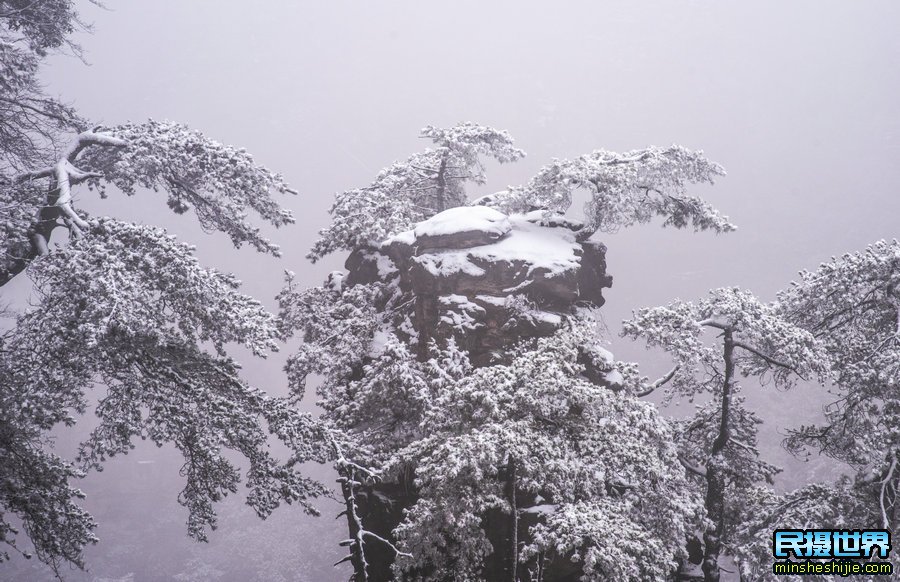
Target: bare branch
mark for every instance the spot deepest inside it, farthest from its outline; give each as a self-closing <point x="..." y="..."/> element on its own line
<point x="397" y="552"/>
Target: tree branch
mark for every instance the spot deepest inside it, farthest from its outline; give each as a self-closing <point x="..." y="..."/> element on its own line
<point x="767" y="358"/>
<point x="58" y="200"/>
<point x="714" y="323"/>
<point x="649" y="388"/>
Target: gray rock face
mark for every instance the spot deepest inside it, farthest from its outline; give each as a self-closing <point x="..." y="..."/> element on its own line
<point x="456" y="240"/>
<point x="490" y="281"/>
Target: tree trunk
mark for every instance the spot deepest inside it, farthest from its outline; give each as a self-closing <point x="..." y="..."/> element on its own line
<point x="26" y="250"/>
<point x="20" y="256"/>
<point x="715" y="473"/>
<point x="357" y="550"/>
<point x="441" y="201"/>
<point x="512" y="559"/>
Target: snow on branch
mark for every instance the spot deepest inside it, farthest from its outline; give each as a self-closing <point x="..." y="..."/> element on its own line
<point x="757" y="328"/>
<point x="413" y="190"/>
<point x="648" y="389"/>
<point x="625" y="189"/>
<point x="121" y="277"/>
<point x="350" y="473"/>
<point x="220" y="182"/>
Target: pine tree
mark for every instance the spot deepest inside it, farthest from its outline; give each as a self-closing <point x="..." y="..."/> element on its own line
<point x="505" y="462"/>
<point x="719" y="443"/>
<point x="851" y="306"/>
<point x="125" y="311"/>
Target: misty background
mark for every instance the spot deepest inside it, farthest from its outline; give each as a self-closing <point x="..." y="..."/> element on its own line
<point x="799" y="101"/>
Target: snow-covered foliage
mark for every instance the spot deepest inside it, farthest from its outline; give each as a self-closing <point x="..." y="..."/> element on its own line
<point x="577" y="445"/>
<point x="551" y="422"/>
<point x="605" y="462"/>
<point x="769" y="343"/>
<point x="33" y="125"/>
<point x="414" y="189"/>
<point x="139" y="281"/>
<point x="19" y="205"/>
<point x="30" y="120"/>
<point x="35" y="484"/>
<point x="625" y="189"/>
<point x="44" y="26"/>
<point x="126" y="311"/>
<point x="337" y="326"/>
<point x="842" y="505"/>
<point x="128" y="308"/>
<point x="607" y="539"/>
<point x="852" y="305"/>
<point x="719" y="443"/>
<point x="221" y="183"/>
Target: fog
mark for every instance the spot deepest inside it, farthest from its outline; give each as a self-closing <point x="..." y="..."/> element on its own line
<point x="799" y="101"/>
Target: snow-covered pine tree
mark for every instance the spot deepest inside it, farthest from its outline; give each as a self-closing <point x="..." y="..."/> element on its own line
<point x="719" y="443"/>
<point x="625" y="189"/>
<point x="488" y="434"/>
<point x="851" y="304"/>
<point x="420" y="186"/>
<point x="125" y="311"/>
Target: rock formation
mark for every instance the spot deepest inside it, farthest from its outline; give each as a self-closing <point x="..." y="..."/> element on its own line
<point x="487" y="280"/>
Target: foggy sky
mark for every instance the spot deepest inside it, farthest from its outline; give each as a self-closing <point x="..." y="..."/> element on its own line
<point x="799" y="101"/>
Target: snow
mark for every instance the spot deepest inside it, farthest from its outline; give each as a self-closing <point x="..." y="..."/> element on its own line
<point x="545" y="509"/>
<point x="460" y="312"/>
<point x="604" y="354"/>
<point x="534" y="314"/>
<point x="408" y="237"/>
<point x="385" y="266"/>
<point x="379" y="340"/>
<point x="554" y="250"/>
<point x="492" y="300"/>
<point x="547" y="218"/>
<point x="546" y="317"/>
<point x="335" y="281"/>
<point x="449" y="263"/>
<point x="614" y="377"/>
<point x="461" y="302"/>
<point x="460" y="320"/>
<point x="464" y="219"/>
<point x="485" y="200"/>
<point x="407" y="327"/>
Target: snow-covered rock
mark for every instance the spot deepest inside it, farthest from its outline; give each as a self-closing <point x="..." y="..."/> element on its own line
<point x="460" y="228"/>
<point x="487" y="278"/>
